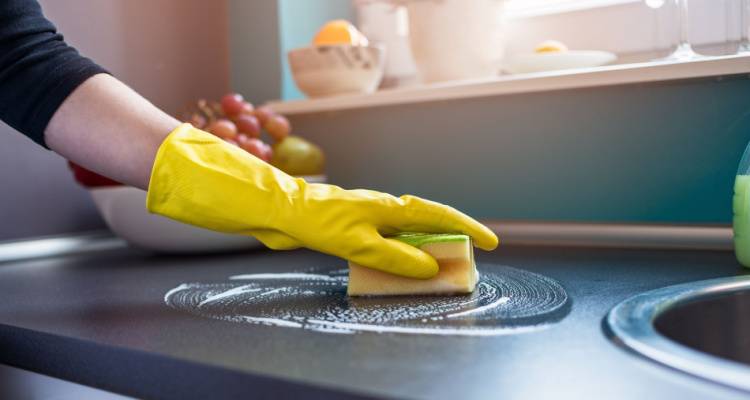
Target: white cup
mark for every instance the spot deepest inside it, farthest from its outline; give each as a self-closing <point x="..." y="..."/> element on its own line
<point x="387" y="23"/>
<point x="456" y="39"/>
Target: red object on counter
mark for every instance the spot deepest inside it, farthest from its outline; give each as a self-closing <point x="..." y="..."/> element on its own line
<point x="89" y="178"/>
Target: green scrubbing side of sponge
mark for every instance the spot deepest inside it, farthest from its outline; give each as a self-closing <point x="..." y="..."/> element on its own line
<point x="421" y="239"/>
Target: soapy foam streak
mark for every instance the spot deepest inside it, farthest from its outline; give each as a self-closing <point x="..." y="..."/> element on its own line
<point x="506" y="301"/>
<point x="231" y="292"/>
<point x="288" y="275"/>
<point x="481" y="309"/>
<point x="343" y="327"/>
<point x="175" y="290"/>
<point x="271" y="321"/>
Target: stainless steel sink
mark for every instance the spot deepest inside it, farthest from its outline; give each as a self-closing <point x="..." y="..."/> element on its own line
<point x="701" y="328"/>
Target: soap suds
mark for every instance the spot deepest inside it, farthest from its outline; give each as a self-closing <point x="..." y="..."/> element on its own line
<point x="169" y="294"/>
<point x="481" y="309"/>
<point x="288" y="275"/>
<point x="231" y="292"/>
<point x="507" y="301"/>
<point x="271" y="321"/>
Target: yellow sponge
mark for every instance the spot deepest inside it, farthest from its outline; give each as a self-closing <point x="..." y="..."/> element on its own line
<point x="454" y="254"/>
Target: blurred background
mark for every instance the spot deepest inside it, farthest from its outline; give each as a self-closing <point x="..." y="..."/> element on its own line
<point x="657" y="150"/>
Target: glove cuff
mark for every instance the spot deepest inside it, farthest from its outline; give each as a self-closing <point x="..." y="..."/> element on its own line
<point x="201" y="180"/>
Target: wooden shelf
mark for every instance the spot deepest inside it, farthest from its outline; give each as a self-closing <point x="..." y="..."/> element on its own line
<point x="525" y="83"/>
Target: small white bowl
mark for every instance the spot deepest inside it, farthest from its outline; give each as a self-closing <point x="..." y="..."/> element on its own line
<point x="543" y="62"/>
<point x="331" y="70"/>
<point x="123" y="208"/>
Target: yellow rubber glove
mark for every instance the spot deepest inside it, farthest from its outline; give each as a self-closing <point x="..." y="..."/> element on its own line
<point x="201" y="180"/>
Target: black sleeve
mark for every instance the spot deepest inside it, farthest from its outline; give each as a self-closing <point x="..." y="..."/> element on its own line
<point x="38" y="70"/>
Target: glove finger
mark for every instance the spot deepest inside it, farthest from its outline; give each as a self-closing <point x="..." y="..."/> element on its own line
<point x="420" y="215"/>
<point x="398" y="258"/>
<point x="275" y="240"/>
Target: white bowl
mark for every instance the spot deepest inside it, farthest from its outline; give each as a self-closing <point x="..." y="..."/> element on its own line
<point x="123" y="208"/>
<point x="556" y="61"/>
<point x="322" y="71"/>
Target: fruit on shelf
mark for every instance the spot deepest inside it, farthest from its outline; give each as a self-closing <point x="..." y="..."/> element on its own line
<point x="237" y="122"/>
<point x="207" y="110"/>
<point x="248" y="125"/>
<point x="223" y="128"/>
<point x="278" y="127"/>
<point x="254" y="146"/>
<point x="296" y="156"/>
<point x="232" y="103"/>
<point x="197" y="121"/>
<point x="263" y="114"/>
<point x="339" y="32"/>
<point x="550" y="46"/>
<point x="247" y="108"/>
<point x="267" y="152"/>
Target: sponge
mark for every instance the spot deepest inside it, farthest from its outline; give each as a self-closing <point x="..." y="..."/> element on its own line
<point x="454" y="254"/>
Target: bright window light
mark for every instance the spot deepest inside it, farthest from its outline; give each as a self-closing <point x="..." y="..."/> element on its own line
<point x="522" y="8"/>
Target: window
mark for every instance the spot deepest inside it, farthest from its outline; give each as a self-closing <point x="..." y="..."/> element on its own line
<point x="629" y="28"/>
<point x="524" y="8"/>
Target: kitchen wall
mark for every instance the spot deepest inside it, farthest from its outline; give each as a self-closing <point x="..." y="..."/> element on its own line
<point x="255" y="49"/>
<point x="660" y="152"/>
<point x="171" y="51"/>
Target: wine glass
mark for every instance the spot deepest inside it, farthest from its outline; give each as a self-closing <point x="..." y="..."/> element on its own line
<point x="744" y="27"/>
<point x="684" y="50"/>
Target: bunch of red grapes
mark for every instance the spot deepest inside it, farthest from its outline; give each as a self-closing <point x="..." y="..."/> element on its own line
<point x="239" y="123"/>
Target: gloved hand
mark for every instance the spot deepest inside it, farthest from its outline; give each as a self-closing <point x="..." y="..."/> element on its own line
<point x="199" y="179"/>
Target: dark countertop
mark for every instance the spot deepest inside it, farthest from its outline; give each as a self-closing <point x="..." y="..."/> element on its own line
<point x="18" y="384"/>
<point x="100" y="319"/>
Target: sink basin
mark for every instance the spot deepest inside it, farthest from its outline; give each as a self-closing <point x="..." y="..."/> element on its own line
<point x="701" y="328"/>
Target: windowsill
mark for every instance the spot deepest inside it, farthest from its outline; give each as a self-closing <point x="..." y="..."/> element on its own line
<point x="526" y="83"/>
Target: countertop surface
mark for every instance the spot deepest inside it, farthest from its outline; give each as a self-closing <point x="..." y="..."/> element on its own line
<point x="100" y="319"/>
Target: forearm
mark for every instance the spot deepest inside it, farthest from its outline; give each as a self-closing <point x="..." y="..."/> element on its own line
<point x="108" y="128"/>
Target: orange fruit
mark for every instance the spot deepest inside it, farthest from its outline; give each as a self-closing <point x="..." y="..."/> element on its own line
<point x="550" y="46"/>
<point x="339" y="32"/>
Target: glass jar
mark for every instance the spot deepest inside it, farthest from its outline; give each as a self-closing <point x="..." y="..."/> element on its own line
<point x="741" y="209"/>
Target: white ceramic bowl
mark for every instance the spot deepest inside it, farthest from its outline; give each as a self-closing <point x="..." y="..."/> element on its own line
<point x="123" y="208"/>
<point x="323" y="71"/>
